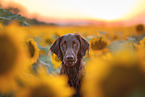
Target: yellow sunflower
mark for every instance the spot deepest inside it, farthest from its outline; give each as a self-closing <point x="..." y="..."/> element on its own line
<point x="99" y="43"/>
<point x="0" y="26"/>
<point x="142" y="43"/>
<point x="141" y="50"/>
<point x="33" y="50"/>
<point x="118" y="75"/>
<point x="140" y="29"/>
<point x="113" y="35"/>
<point x="46" y="40"/>
<point x="98" y="46"/>
<point x="13" y="57"/>
<point x="45" y="85"/>
<point x="55" y="61"/>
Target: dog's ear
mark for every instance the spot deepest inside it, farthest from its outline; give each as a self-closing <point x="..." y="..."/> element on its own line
<point x="84" y="45"/>
<point x="55" y="47"/>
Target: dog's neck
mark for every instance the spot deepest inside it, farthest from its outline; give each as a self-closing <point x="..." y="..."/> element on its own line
<point x="74" y="73"/>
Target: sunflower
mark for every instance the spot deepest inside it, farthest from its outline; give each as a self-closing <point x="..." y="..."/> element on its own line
<point x="140" y="28"/>
<point x="0" y="26"/>
<point x="115" y="35"/>
<point x="48" y="39"/>
<point x="142" y="43"/>
<point x="33" y="50"/>
<point x="44" y="85"/>
<point x="55" y="61"/>
<point x="118" y="75"/>
<point x="99" y="43"/>
<point x="141" y="51"/>
<point x="13" y="57"/>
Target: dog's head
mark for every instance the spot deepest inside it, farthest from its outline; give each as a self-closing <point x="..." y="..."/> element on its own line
<point x="70" y="48"/>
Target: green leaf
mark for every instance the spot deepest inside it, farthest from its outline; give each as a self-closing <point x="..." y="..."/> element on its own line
<point x="6" y="15"/>
<point x="115" y="46"/>
<point x="45" y="49"/>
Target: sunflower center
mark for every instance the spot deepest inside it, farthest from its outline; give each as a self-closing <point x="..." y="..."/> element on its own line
<point x="31" y="49"/>
<point x="98" y="44"/>
<point x="42" y="91"/>
<point x="8" y="54"/>
<point x="140" y="28"/>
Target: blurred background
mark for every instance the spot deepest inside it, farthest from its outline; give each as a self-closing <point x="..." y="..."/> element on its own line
<point x="115" y="62"/>
<point x="81" y="12"/>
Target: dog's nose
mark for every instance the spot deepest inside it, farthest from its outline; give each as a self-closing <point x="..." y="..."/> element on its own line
<point x="69" y="57"/>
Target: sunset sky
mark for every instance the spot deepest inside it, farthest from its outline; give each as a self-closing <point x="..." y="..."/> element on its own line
<point x="109" y="10"/>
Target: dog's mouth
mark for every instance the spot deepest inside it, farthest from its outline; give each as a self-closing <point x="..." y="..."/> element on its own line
<point x="70" y="62"/>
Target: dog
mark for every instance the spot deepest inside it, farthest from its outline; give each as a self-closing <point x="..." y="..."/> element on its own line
<point x="70" y="49"/>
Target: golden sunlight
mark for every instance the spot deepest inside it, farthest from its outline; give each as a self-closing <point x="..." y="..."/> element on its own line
<point x="108" y="10"/>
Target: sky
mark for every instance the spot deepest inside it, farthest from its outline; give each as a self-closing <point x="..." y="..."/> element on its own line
<point x="108" y="10"/>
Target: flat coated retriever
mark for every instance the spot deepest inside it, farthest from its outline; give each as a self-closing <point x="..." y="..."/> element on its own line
<point x="70" y="49"/>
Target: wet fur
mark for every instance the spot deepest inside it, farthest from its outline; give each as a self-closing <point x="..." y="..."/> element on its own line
<point x="74" y="73"/>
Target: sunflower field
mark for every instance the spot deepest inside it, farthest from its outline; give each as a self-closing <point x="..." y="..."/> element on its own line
<point x="115" y="62"/>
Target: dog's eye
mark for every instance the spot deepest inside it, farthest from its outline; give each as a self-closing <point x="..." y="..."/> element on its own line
<point x="75" y="45"/>
<point x="63" y="45"/>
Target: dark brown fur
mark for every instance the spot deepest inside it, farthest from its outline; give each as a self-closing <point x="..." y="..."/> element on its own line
<point x="75" y="71"/>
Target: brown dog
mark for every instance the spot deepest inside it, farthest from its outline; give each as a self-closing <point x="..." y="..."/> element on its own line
<point x="70" y="49"/>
